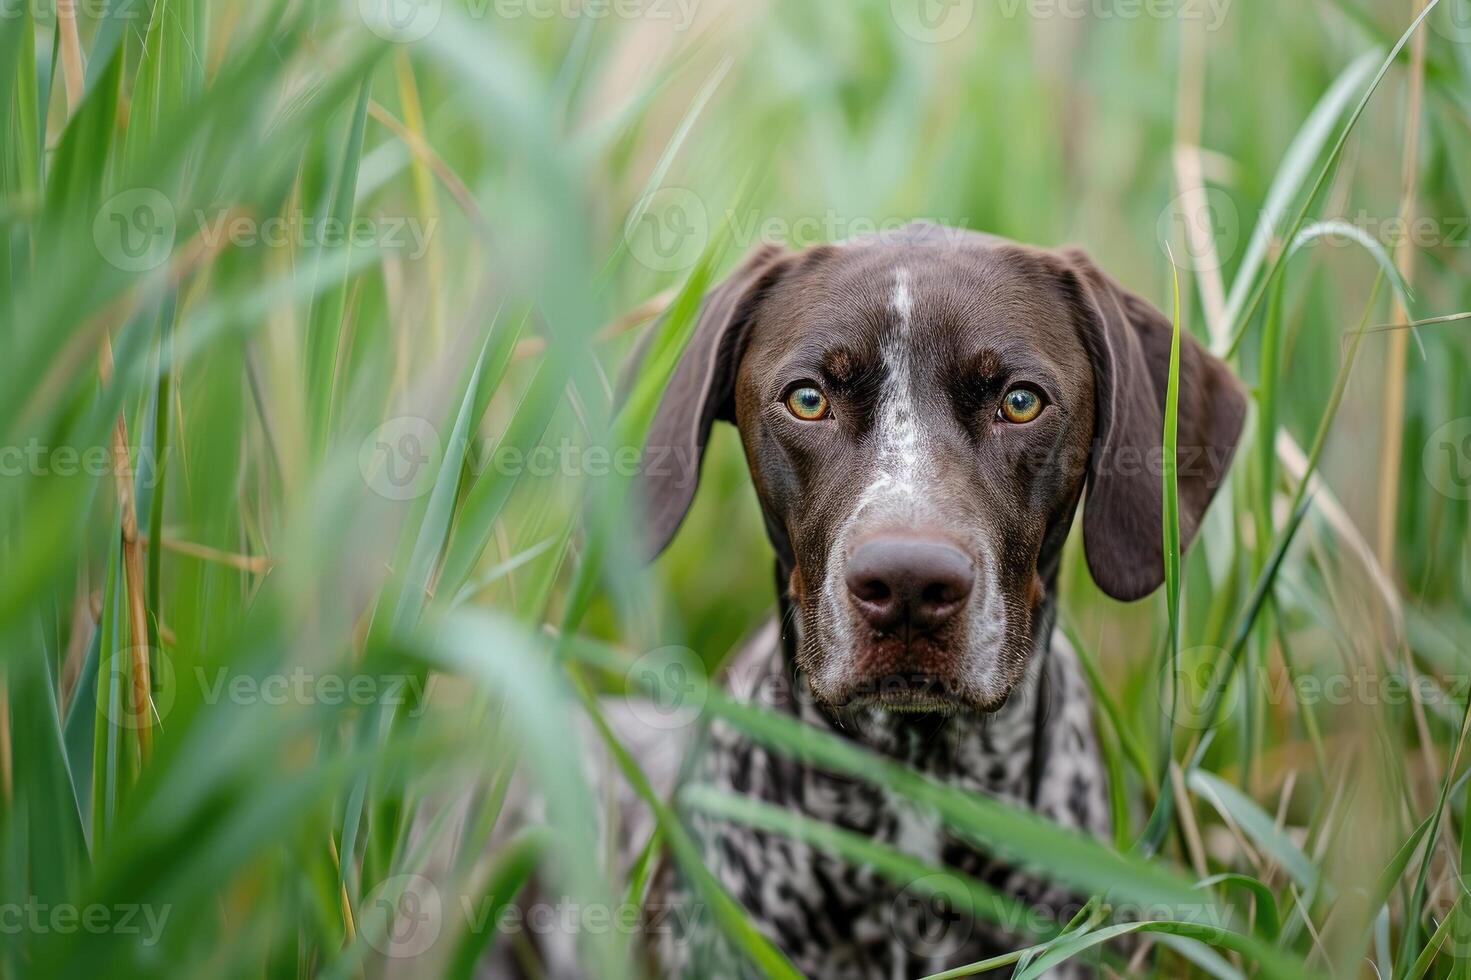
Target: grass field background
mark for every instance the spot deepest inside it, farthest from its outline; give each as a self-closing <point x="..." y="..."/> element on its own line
<point x="311" y="488"/>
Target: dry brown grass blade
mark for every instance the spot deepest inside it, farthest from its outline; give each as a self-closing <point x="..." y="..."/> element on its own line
<point x="1404" y="260"/>
<point x="1193" y="840"/>
<point x="73" y="65"/>
<point x="141" y="688"/>
<point x="349" y="927"/>
<point x="254" y="564"/>
<point x="431" y="158"/>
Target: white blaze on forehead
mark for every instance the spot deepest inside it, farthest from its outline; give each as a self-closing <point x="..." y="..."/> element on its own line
<point x="902" y="302"/>
<point x="897" y="465"/>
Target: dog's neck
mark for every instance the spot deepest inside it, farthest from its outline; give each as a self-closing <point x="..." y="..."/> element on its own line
<point x="997" y="748"/>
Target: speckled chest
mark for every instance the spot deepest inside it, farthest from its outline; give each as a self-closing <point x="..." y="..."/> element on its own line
<point x="834" y="918"/>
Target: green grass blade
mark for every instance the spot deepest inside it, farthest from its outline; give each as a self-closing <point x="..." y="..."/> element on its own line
<point x="325" y="339"/>
<point x="1269" y="921"/>
<point x="512" y="866"/>
<point x="1171" y="495"/>
<point x="1269" y="963"/>
<point x="1256" y="824"/>
<point x="1292" y="173"/>
<point x="1330" y="166"/>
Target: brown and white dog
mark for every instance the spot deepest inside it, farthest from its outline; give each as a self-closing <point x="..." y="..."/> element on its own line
<point x="922" y="412"/>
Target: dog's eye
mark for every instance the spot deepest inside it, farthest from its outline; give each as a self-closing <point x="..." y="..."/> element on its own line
<point x="807" y="404"/>
<point x="1020" y="405"/>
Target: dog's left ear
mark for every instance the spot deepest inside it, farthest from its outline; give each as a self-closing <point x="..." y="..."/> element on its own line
<point x="701" y="390"/>
<point x="1129" y="342"/>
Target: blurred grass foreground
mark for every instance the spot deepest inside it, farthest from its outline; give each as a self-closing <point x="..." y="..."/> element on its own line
<point x="310" y="485"/>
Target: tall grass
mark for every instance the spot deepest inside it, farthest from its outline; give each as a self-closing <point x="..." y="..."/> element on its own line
<point x="311" y="512"/>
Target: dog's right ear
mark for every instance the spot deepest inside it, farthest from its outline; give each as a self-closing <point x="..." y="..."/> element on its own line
<point x="1130" y="340"/>
<point x="701" y="390"/>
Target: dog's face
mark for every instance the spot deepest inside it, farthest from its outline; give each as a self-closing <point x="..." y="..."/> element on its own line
<point x="921" y="413"/>
<point x="916" y="421"/>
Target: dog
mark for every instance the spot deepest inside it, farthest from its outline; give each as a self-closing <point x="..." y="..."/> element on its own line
<point x="922" y="412"/>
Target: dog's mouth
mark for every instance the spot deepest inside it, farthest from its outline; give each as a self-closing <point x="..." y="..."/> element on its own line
<point x="925" y="676"/>
<point x="909" y="693"/>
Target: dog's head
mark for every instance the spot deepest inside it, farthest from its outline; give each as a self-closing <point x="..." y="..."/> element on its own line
<point x="921" y="412"/>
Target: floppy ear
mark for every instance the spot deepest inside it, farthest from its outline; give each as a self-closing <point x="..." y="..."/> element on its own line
<point x="701" y="390"/>
<point x="1129" y="342"/>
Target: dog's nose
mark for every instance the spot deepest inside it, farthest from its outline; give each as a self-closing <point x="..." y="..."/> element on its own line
<point x="898" y="581"/>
